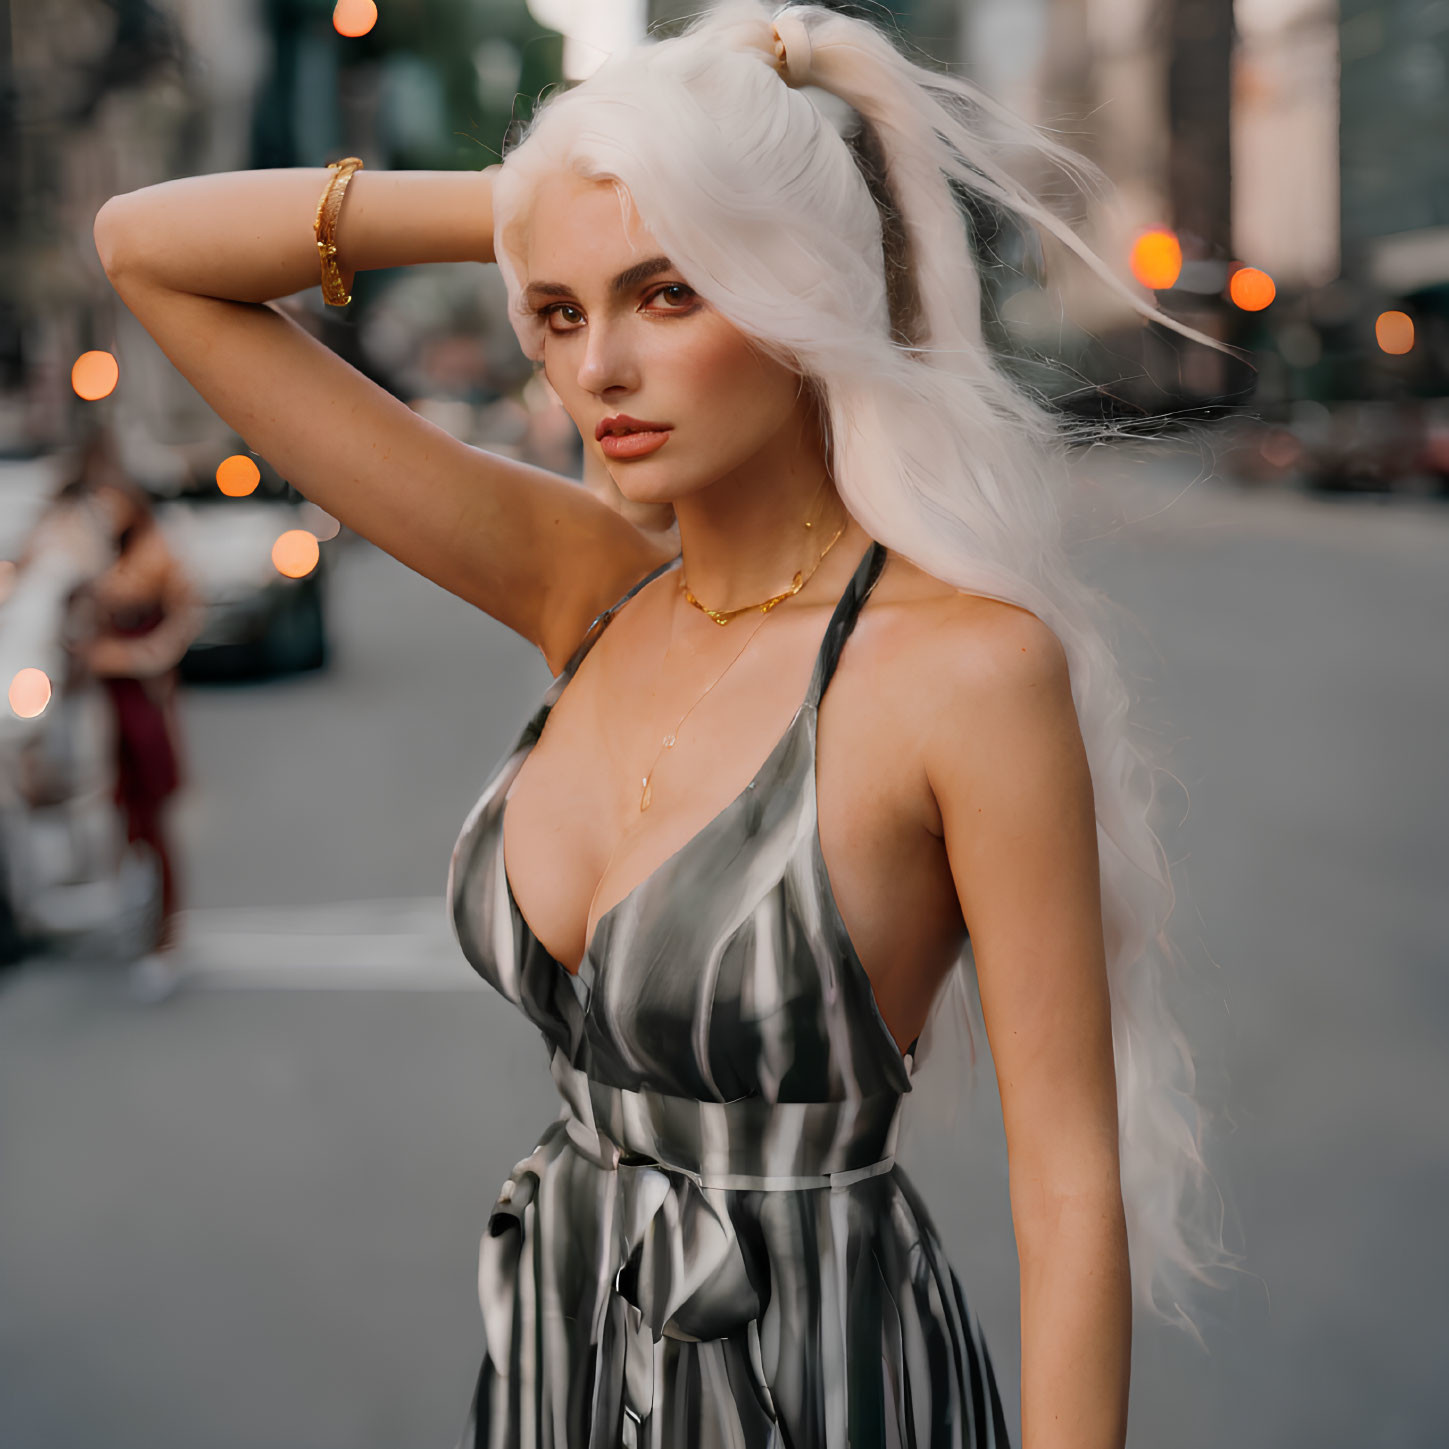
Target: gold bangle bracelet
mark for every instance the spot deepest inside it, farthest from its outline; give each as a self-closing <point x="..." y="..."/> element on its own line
<point x="324" y="225"/>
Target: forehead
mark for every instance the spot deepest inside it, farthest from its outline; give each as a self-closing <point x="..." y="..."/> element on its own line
<point x="580" y="229"/>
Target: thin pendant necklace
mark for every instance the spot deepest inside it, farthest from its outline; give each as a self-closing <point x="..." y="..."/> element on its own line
<point x="646" y="794"/>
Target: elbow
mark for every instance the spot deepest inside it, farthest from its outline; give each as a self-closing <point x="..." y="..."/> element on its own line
<point x="1090" y="1229"/>
<point x="108" y="230"/>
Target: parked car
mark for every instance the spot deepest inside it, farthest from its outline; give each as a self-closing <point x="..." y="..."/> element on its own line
<point x="259" y="621"/>
<point x="1373" y="446"/>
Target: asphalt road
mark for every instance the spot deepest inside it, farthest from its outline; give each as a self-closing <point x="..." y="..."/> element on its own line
<point x="249" y="1216"/>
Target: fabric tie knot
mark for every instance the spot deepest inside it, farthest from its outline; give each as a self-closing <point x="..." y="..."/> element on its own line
<point x="675" y="1167"/>
<point x="682" y="1271"/>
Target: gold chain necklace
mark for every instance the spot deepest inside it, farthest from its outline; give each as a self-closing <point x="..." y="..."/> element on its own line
<point x="646" y="794"/>
<point x="723" y="616"/>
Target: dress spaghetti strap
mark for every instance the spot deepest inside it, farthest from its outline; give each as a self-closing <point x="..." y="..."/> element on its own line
<point x="601" y="621"/>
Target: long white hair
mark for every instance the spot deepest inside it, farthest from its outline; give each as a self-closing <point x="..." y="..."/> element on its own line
<point x="847" y="253"/>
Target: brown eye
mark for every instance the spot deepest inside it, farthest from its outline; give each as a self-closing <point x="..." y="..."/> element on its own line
<point x="676" y="293"/>
<point x="557" y="309"/>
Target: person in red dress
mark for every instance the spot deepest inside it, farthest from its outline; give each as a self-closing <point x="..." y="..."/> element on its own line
<point x="147" y="613"/>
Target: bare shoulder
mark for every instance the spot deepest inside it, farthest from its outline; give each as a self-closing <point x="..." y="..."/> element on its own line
<point x="940" y="647"/>
<point x="950" y="692"/>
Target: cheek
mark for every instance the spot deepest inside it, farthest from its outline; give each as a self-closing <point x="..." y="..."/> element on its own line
<point x="561" y="372"/>
<point x="732" y="384"/>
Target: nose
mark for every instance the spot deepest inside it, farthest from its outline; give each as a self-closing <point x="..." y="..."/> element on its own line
<point x="609" y="363"/>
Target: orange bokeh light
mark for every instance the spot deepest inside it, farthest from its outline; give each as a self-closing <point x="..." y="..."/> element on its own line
<point x="1157" y="259"/>
<point x="1251" y="289"/>
<point x="237" y="476"/>
<point x="1395" y="332"/>
<point x="94" y="375"/>
<point x="29" y="693"/>
<point x="295" y="553"/>
<point x="353" y="17"/>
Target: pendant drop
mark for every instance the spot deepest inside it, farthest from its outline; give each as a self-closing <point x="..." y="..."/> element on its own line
<point x="647" y="798"/>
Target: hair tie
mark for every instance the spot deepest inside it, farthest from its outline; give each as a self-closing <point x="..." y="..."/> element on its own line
<point x="792" y="48"/>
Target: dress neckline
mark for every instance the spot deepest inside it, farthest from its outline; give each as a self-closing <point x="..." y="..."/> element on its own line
<point x="842" y="620"/>
<point x="584" y="973"/>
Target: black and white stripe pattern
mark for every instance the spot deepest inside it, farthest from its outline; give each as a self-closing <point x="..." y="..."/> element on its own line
<point x="712" y="1245"/>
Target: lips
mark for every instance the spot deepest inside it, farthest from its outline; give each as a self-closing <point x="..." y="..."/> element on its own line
<point x="633" y="445"/>
<point x="621" y="423"/>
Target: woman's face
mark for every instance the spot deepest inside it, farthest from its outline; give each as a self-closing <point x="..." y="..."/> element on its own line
<point x="625" y="334"/>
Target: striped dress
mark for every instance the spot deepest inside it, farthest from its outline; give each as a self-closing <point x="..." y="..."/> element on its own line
<point x="711" y="1246"/>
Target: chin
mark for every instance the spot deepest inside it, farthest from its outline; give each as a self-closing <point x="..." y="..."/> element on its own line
<point x="639" y="483"/>
<point x="649" y="497"/>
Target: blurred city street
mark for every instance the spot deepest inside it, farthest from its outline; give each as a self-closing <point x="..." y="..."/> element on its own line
<point x="248" y="1215"/>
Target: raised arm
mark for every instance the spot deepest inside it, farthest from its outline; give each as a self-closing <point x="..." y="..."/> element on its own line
<point x="199" y="262"/>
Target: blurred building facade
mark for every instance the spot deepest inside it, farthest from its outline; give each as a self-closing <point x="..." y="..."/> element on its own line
<point x="1395" y="56"/>
<point x="1300" y="137"/>
<point x="97" y="99"/>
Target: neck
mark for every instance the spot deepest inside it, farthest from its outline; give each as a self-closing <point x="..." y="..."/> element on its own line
<point x="744" y="537"/>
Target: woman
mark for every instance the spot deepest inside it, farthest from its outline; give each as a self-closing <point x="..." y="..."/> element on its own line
<point x="147" y="612"/>
<point x="856" y="704"/>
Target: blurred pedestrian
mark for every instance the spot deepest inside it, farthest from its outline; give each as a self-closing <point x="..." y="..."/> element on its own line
<point x="147" y="612"/>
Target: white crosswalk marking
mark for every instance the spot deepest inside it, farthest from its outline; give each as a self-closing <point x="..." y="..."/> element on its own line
<point x="399" y="943"/>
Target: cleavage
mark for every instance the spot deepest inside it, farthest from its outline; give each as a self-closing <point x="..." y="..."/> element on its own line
<point x="575" y="796"/>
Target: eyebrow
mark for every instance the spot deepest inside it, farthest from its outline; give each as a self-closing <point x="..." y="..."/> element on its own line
<point x="629" y="278"/>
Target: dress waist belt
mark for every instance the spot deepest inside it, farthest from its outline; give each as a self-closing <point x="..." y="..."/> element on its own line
<point x="679" y="1267"/>
<point x="747" y="1145"/>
